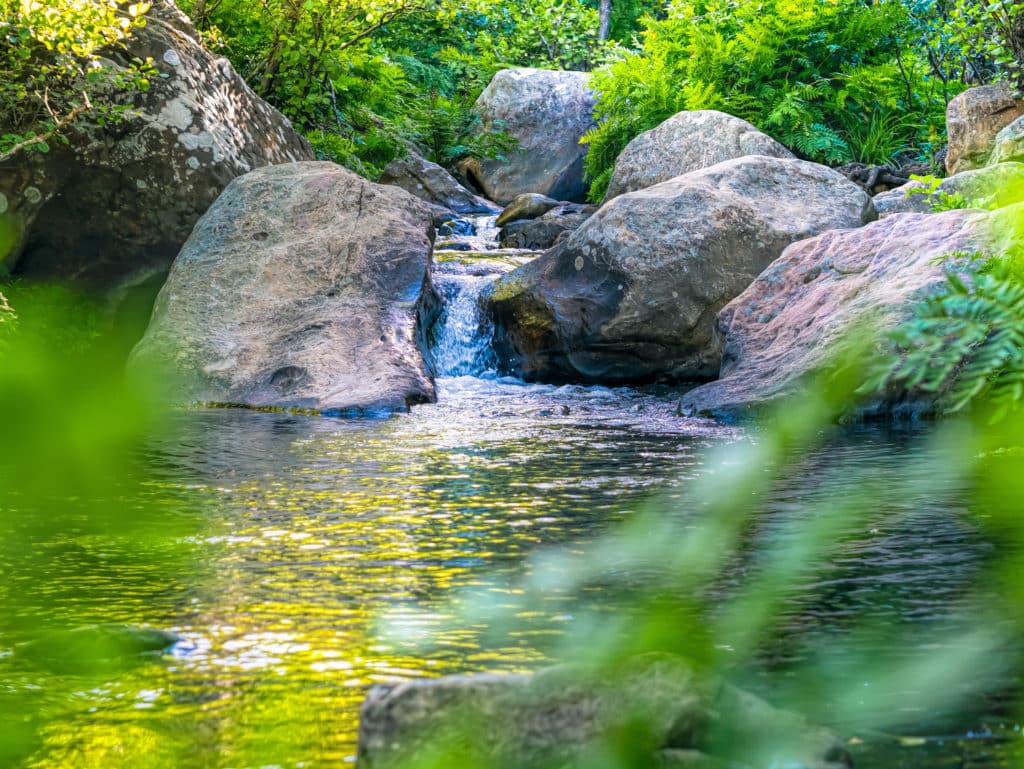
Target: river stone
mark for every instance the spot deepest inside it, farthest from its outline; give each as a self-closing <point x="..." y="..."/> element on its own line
<point x="792" y="320"/>
<point x="973" y="120"/>
<point x="548" y="112"/>
<point x="430" y="182"/>
<point x="994" y="186"/>
<point x="561" y="716"/>
<point x="633" y="293"/>
<point x="119" y="201"/>
<point x="529" y="205"/>
<point x="687" y="141"/>
<point x="303" y="286"/>
<point x="544" y="232"/>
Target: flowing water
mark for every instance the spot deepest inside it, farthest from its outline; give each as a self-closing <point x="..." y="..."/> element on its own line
<point x="315" y="528"/>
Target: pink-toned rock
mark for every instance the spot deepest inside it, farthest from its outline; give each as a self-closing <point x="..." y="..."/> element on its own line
<point x="974" y="119"/>
<point x="795" y="316"/>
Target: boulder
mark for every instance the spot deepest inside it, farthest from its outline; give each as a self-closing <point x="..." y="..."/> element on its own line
<point x="542" y="233"/>
<point x="430" y="182"/>
<point x="687" y="141"/>
<point x="791" y="321"/>
<point x="632" y="295"/>
<point x="561" y="716"/>
<point x="120" y="200"/>
<point x="973" y="120"/>
<point x="990" y="187"/>
<point x="303" y="286"/>
<point x="529" y="205"/>
<point x="547" y="112"/>
<point x="1009" y="143"/>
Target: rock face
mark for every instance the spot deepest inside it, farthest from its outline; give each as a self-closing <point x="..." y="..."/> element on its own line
<point x="429" y="182"/>
<point x="633" y="293"/>
<point x="303" y="286"/>
<point x="790" y="321"/>
<point x="973" y="119"/>
<point x="687" y="141"/>
<point x="544" y="232"/>
<point x="558" y="717"/>
<point x="120" y="200"/>
<point x="990" y="187"/>
<point x="547" y="112"/>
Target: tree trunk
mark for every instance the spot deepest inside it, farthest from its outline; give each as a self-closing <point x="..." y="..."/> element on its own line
<point x="606" y="20"/>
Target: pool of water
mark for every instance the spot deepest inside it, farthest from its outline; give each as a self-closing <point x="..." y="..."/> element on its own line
<point x="315" y="528"/>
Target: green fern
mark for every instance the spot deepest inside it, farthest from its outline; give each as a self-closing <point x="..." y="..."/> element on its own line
<point x="964" y="345"/>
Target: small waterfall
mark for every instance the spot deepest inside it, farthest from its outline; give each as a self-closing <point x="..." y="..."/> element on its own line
<point x="464" y="266"/>
<point x="461" y="338"/>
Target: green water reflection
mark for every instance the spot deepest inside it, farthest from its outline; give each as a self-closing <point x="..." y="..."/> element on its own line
<point x="314" y="528"/>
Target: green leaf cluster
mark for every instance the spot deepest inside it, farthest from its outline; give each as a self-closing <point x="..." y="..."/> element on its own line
<point x="52" y="67"/>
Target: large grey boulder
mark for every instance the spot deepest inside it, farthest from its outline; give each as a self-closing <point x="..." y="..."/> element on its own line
<point x="687" y="141"/>
<point x="303" y="286"/>
<point x="548" y="112"/>
<point x="118" y="202"/>
<point x="430" y="182"/>
<point x="633" y="293"/>
<point x="973" y="120"/>
<point x="562" y="716"/>
<point x="994" y="186"/>
<point x="794" y="318"/>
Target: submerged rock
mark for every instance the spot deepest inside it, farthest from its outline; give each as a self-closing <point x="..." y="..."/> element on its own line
<point x="86" y="647"/>
<point x="548" y="112"/>
<point x="687" y="141"/>
<point x="973" y="120"/>
<point x="304" y="286"/>
<point x="118" y="202"/>
<point x="560" y="716"/>
<point x="430" y="182"/>
<point x="792" y="320"/>
<point x="991" y="187"/>
<point x="633" y="293"/>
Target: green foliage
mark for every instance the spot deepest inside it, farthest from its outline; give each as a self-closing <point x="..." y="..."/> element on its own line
<point x="50" y="67"/>
<point x="940" y="200"/>
<point x="828" y="79"/>
<point x="964" y="344"/>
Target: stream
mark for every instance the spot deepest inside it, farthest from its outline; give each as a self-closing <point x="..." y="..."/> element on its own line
<point x="314" y="528"/>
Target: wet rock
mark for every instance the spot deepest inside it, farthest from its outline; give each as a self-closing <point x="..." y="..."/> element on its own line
<point x="430" y="182"/>
<point x="548" y="112"/>
<point x="456" y="228"/>
<point x="527" y="206"/>
<point x="303" y="286"/>
<point x="560" y="716"/>
<point x="973" y="120"/>
<point x="687" y="141"/>
<point x="118" y="202"/>
<point x="542" y="233"/>
<point x="794" y="317"/>
<point x="994" y="186"/>
<point x="633" y="293"/>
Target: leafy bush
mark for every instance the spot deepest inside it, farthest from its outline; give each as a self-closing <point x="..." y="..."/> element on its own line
<point x="825" y="78"/>
<point x="50" y="68"/>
